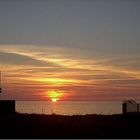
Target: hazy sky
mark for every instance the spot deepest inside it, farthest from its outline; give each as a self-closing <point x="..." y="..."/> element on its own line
<point x="85" y="49"/>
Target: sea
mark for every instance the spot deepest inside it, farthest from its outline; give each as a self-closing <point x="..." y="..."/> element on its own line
<point x="69" y="107"/>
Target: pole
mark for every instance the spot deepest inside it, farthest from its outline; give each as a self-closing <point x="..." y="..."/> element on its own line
<point x="0" y="86"/>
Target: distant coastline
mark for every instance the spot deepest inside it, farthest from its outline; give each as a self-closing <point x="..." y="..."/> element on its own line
<point x="70" y="107"/>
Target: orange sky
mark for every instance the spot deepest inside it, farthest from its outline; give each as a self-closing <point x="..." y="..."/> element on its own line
<point x="29" y="72"/>
<point x="80" y="49"/>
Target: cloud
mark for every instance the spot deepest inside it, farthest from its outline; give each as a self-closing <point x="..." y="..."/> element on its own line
<point x="128" y="62"/>
<point x="16" y="59"/>
<point x="98" y="75"/>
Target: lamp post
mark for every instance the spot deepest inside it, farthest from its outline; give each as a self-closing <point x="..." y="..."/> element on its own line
<point x="0" y="86"/>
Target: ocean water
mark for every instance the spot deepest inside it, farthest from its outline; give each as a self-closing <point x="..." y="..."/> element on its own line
<point x="69" y="107"/>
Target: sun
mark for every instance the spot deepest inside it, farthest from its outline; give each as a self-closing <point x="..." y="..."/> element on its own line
<point x="54" y="95"/>
<point x="54" y="100"/>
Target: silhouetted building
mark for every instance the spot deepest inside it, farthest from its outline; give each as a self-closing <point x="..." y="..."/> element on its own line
<point x="129" y="107"/>
<point x="7" y="106"/>
<point x="139" y="107"/>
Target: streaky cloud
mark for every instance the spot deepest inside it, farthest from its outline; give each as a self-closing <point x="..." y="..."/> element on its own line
<point x="16" y="59"/>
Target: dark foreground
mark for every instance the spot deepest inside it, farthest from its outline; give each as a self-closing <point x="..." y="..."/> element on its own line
<point x="56" y="126"/>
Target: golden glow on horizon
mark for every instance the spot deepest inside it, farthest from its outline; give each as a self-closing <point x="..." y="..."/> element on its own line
<point x="54" y="81"/>
<point x="55" y="95"/>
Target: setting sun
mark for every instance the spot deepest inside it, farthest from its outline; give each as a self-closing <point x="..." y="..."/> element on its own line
<point x="54" y="100"/>
<point x="54" y="95"/>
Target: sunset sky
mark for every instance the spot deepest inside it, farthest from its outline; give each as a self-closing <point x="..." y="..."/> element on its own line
<point x="70" y="49"/>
